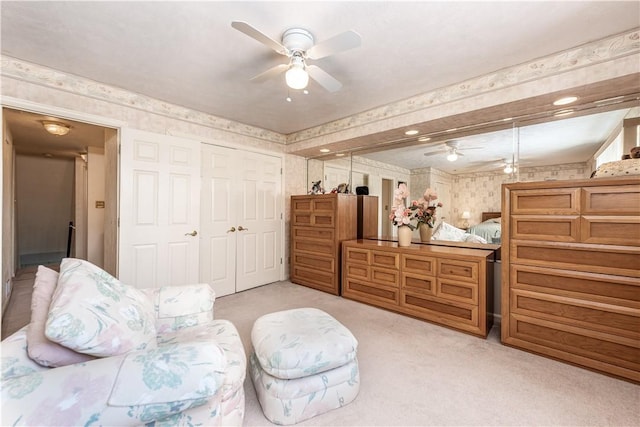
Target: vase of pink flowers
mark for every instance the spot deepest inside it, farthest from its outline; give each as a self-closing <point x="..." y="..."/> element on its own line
<point x="400" y="216"/>
<point x="423" y="211"/>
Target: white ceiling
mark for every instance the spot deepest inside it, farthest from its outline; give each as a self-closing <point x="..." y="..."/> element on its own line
<point x="187" y="53"/>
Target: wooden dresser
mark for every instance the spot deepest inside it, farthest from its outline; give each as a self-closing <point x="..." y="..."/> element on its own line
<point x="571" y="272"/>
<point x="319" y="223"/>
<point x="451" y="286"/>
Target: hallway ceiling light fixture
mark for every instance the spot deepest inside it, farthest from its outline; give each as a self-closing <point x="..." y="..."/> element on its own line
<point x="55" y="128"/>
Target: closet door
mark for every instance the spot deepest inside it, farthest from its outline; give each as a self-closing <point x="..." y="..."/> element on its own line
<point x="217" y="219"/>
<point x="259" y="257"/>
<point x="159" y="209"/>
<point x="241" y="219"/>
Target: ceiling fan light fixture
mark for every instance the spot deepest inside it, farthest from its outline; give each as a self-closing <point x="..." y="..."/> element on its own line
<point x="452" y="156"/>
<point x="509" y="168"/>
<point x="55" y="128"/>
<point x="296" y="76"/>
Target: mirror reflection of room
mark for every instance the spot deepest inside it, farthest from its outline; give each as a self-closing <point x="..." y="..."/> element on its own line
<point x="469" y="184"/>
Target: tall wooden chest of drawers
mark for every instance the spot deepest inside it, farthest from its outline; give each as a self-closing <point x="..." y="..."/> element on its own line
<point x="319" y="224"/>
<point x="571" y="272"/>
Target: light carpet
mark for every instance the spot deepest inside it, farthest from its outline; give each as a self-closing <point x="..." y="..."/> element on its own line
<point x="415" y="373"/>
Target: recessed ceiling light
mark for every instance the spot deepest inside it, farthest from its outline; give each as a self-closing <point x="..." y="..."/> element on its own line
<point x="565" y="100"/>
<point x="451" y="130"/>
<point x="324" y="150"/>
<point x="411" y="132"/>
<point x="424" y="139"/>
<point x="339" y="154"/>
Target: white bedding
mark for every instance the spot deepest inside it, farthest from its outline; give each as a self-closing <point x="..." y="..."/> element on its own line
<point x="445" y="231"/>
<point x="489" y="230"/>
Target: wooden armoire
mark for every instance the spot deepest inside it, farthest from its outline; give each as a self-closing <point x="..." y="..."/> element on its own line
<point x="571" y="272"/>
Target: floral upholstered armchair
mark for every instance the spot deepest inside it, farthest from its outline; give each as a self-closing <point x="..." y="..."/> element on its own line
<point x="99" y="352"/>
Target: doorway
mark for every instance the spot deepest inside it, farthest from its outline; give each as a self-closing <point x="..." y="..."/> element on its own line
<point x="387" y="201"/>
<point x="65" y="191"/>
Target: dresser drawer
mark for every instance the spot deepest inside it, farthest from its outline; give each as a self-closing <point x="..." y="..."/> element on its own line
<point x="618" y="260"/>
<point x="610" y="353"/>
<point x="546" y="201"/>
<point x="608" y="318"/>
<point x="611" y="230"/>
<point x="418" y="283"/>
<point x="555" y="228"/>
<point x="358" y="271"/>
<point x="314" y="219"/>
<point x="385" y="259"/>
<point x="462" y="316"/>
<point x="326" y="264"/>
<point x="370" y="293"/>
<point x="611" y="200"/>
<point x="605" y="288"/>
<point x="312" y="203"/>
<point x="313" y="278"/>
<point x="418" y="264"/>
<point x="384" y="277"/>
<point x="458" y="270"/>
<point x="357" y="256"/>
<point x="313" y="233"/>
<point x="457" y="291"/>
<point x="314" y="246"/>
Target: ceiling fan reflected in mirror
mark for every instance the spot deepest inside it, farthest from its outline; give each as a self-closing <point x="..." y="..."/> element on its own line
<point x="299" y="45"/>
<point x="452" y="149"/>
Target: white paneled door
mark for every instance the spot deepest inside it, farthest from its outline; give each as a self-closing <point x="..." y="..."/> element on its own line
<point x="241" y="219"/>
<point x="159" y="209"/>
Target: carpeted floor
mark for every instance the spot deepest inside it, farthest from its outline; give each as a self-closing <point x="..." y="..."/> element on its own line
<point x="414" y="373"/>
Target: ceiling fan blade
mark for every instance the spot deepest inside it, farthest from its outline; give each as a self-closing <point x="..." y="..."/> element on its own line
<point x="433" y="153"/>
<point x="247" y="29"/>
<point x="323" y="78"/>
<point x="340" y="43"/>
<point x="271" y="72"/>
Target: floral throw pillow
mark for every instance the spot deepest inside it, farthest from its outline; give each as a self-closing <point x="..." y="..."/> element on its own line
<point x="94" y="313"/>
<point x="39" y="348"/>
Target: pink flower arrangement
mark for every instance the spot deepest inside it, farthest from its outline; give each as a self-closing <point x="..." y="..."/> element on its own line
<point x="400" y="214"/>
<point x="424" y="209"/>
<point x="421" y="211"/>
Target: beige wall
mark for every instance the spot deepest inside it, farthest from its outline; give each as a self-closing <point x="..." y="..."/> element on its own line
<point x="95" y="214"/>
<point x="7" y="242"/>
<point x="44" y="204"/>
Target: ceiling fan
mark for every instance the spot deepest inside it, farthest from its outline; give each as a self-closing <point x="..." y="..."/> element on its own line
<point x="453" y="150"/>
<point x="299" y="45"/>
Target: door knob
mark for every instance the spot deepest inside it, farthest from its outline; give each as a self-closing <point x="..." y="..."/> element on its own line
<point x="193" y="233"/>
<point x="241" y="228"/>
<point x="231" y="230"/>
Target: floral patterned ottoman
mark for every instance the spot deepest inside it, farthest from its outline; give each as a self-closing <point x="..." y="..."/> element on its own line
<point x="303" y="364"/>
